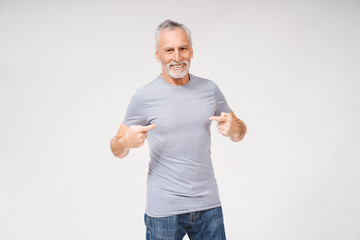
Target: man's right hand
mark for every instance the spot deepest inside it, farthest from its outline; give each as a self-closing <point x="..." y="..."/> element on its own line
<point x="135" y="136"/>
<point x="129" y="137"/>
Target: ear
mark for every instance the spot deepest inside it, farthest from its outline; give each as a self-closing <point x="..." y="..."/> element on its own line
<point x="157" y="55"/>
<point x="192" y="52"/>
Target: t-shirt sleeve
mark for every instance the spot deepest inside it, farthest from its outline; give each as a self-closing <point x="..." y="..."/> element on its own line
<point x="221" y="104"/>
<point x="136" y="112"/>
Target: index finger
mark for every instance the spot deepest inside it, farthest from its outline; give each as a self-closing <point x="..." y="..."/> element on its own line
<point x="218" y="118"/>
<point x="149" y="127"/>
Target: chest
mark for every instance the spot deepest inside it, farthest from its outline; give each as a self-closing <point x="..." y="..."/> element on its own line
<point x="178" y="111"/>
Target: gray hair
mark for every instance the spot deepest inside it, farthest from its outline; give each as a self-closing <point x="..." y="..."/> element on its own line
<point x="170" y="25"/>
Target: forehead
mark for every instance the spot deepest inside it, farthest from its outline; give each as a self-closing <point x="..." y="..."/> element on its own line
<point x="173" y="37"/>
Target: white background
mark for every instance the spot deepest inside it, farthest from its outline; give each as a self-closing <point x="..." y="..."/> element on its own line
<point x="289" y="69"/>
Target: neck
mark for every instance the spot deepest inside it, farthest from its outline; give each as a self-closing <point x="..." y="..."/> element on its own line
<point x="175" y="81"/>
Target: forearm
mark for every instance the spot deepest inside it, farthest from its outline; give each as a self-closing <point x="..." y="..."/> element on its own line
<point x="240" y="133"/>
<point x="118" y="147"/>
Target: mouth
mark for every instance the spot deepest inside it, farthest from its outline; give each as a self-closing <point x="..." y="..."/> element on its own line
<point x="178" y="67"/>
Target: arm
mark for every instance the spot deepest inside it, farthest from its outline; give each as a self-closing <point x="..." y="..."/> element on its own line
<point x="127" y="138"/>
<point x="231" y="126"/>
<point x="117" y="144"/>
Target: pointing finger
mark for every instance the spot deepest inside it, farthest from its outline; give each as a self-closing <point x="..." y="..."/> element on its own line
<point x="218" y="118"/>
<point x="149" y="127"/>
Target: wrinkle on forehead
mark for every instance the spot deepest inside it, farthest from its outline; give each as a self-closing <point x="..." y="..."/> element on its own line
<point x="171" y="38"/>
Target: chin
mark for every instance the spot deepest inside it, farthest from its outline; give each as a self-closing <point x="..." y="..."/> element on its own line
<point x="177" y="75"/>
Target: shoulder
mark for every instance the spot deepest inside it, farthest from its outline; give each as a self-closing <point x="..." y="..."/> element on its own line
<point x="208" y="85"/>
<point x="203" y="82"/>
<point x="148" y="88"/>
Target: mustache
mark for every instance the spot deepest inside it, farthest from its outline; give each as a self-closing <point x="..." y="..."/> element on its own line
<point x="177" y="63"/>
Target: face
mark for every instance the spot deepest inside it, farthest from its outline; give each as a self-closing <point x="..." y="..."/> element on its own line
<point x="174" y="51"/>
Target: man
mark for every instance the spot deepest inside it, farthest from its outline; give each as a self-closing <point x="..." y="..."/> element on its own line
<point x="174" y="113"/>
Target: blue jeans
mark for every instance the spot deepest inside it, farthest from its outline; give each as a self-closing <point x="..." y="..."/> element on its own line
<point x="202" y="225"/>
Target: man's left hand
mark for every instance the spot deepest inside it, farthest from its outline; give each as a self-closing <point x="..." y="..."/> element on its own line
<point x="227" y="125"/>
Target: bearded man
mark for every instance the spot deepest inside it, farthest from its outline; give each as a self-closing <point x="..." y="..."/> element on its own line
<point x="174" y="113"/>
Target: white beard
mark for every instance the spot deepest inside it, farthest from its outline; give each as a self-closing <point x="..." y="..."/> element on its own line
<point x="177" y="74"/>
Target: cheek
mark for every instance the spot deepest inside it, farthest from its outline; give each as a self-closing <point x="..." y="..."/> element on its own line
<point x="164" y="62"/>
<point x="188" y="56"/>
<point x="167" y="60"/>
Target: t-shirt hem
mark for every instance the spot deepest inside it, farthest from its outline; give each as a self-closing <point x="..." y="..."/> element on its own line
<point x="182" y="211"/>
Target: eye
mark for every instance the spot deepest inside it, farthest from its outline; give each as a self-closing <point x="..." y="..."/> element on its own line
<point x="183" y="48"/>
<point x="168" y="50"/>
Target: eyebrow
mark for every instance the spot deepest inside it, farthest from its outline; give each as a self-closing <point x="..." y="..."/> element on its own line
<point x="184" y="45"/>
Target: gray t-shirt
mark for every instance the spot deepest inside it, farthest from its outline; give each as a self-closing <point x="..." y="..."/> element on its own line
<point x="181" y="176"/>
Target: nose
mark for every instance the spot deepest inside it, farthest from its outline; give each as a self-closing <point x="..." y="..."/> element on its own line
<point x="177" y="56"/>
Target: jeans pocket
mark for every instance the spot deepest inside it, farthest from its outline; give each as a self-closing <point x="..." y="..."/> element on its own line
<point x="147" y="223"/>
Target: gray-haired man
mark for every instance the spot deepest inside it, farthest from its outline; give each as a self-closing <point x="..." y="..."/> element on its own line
<point x="174" y="113"/>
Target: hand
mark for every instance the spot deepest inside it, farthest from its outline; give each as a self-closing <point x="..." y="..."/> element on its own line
<point x="227" y="125"/>
<point x="135" y="136"/>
